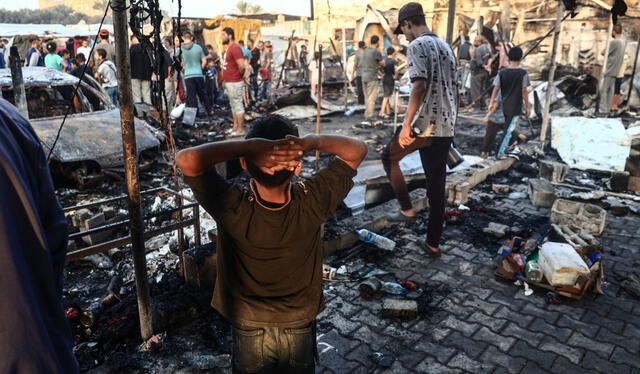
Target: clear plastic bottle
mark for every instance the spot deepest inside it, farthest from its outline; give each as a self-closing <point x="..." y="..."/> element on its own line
<point x="533" y="271"/>
<point x="375" y="239"/>
<point x="394" y="288"/>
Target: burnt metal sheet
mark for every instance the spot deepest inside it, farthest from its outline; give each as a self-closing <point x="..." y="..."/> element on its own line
<point x="91" y="136"/>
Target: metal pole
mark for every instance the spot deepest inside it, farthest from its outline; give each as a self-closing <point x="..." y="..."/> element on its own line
<point x="19" y="95"/>
<point x="319" y="103"/>
<point x="451" y="19"/>
<point x="604" y="66"/>
<point x="552" y="71"/>
<point x="284" y="62"/>
<point x="131" y="166"/>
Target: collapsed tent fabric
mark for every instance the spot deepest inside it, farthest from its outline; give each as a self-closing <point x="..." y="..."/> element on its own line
<point x="591" y="143"/>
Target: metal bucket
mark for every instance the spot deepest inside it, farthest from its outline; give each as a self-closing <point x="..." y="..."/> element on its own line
<point x="454" y="158"/>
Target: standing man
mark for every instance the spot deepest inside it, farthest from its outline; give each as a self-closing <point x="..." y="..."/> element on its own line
<point x="358" y="67"/>
<point x="429" y="123"/>
<point x="33" y="57"/>
<point x="193" y="62"/>
<point x="3" y="53"/>
<point x="84" y="50"/>
<point x="464" y="64"/>
<point x="479" y="72"/>
<point x="255" y="67"/>
<point x="388" y="83"/>
<point x="105" y="45"/>
<point x="233" y="67"/>
<point x="371" y="62"/>
<point x="140" y="72"/>
<point x="34" y="333"/>
<point x="106" y="75"/>
<point x="511" y="83"/>
<point x="614" y="63"/>
<point x="266" y="57"/>
<point x="169" y="73"/>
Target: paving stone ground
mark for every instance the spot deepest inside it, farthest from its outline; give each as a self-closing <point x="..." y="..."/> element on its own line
<point x="472" y="322"/>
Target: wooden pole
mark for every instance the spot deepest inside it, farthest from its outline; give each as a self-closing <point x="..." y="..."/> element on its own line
<point x="347" y="84"/>
<point x="505" y="20"/>
<point x="552" y="71"/>
<point x="604" y="66"/>
<point x="451" y="19"/>
<point x="284" y="62"/>
<point x="131" y="166"/>
<point x="319" y="103"/>
<point x="19" y="94"/>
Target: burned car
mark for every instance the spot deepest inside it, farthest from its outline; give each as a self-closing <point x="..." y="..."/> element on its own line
<point x="90" y="143"/>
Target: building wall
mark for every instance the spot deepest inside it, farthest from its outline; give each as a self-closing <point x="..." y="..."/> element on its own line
<point x="81" y="6"/>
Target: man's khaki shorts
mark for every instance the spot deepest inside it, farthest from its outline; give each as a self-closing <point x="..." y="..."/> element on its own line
<point x="234" y="92"/>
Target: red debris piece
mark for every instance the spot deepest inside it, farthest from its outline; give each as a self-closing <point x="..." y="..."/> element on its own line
<point x="71" y="313"/>
<point x="453" y="216"/>
<point x="409" y="285"/>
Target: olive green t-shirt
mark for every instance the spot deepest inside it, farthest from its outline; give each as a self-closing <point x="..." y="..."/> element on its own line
<point x="269" y="265"/>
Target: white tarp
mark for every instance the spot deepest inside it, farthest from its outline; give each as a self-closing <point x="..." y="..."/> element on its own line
<point x="410" y="165"/>
<point x="591" y="143"/>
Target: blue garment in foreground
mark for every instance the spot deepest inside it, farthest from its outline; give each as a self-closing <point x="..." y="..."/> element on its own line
<point x="34" y="332"/>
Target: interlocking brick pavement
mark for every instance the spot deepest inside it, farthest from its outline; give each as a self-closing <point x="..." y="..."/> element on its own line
<point x="475" y="323"/>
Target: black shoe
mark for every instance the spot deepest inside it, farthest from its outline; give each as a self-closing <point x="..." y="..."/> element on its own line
<point x="399" y="217"/>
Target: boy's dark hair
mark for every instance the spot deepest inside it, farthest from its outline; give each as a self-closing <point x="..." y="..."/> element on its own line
<point x="51" y="47"/>
<point x="361" y="44"/>
<point x="74" y="61"/>
<point x="466" y="38"/>
<point x="209" y="46"/>
<point x="168" y="40"/>
<point x="390" y="51"/>
<point x="617" y="28"/>
<point x="515" y="54"/>
<point x="417" y="20"/>
<point x="102" y="53"/>
<point x="316" y="55"/>
<point x="188" y="34"/>
<point x="229" y="31"/>
<point x="374" y="39"/>
<point x="241" y="42"/>
<point x="271" y="127"/>
<point x="64" y="52"/>
<point x="80" y="58"/>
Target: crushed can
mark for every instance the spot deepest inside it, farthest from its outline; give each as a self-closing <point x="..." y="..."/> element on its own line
<point x="369" y="288"/>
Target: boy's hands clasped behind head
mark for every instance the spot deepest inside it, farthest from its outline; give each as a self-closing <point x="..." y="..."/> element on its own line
<point x="271" y="156"/>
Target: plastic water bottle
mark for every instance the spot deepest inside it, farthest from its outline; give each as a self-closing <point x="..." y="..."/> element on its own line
<point x="375" y="239"/>
<point x="349" y="112"/>
<point x="394" y="288"/>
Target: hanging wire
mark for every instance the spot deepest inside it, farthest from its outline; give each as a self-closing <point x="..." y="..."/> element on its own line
<point x="77" y="86"/>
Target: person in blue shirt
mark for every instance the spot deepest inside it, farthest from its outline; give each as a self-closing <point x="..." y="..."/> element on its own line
<point x="193" y="62"/>
<point x="35" y="336"/>
<point x="246" y="52"/>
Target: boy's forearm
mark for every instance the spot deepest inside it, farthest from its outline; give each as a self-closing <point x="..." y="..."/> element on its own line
<point x="350" y="150"/>
<point x="416" y="97"/>
<point x="196" y="161"/>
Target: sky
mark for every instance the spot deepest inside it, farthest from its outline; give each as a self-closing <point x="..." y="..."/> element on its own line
<point x="200" y="8"/>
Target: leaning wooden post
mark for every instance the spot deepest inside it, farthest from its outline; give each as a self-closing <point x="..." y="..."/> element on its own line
<point x="552" y="72"/>
<point x="19" y="95"/>
<point x="131" y="166"/>
<point x="319" y="103"/>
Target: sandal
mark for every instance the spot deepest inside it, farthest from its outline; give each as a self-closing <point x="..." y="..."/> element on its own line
<point x="428" y="250"/>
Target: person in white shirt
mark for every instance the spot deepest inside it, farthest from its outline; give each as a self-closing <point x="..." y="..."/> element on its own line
<point x="84" y="50"/>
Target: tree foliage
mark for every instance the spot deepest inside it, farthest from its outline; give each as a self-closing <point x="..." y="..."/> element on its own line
<point x="57" y="14"/>
<point x="245" y="7"/>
